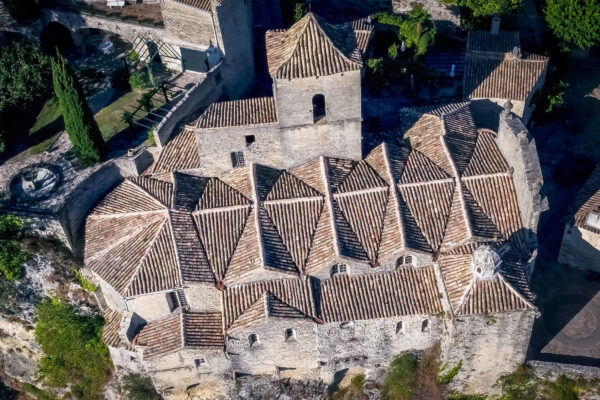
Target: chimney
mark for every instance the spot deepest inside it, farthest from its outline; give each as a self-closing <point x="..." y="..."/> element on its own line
<point x="495" y="25"/>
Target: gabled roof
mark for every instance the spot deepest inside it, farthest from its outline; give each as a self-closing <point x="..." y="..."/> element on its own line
<point x="180" y="154"/>
<point x="485" y="42"/>
<point x="313" y="47"/>
<point x="192" y="330"/>
<point x="586" y="202"/>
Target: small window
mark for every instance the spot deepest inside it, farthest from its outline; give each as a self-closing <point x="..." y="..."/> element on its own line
<point x="237" y="159"/>
<point x="339" y="269"/>
<point x="408" y="259"/>
<point x="425" y="325"/>
<point x="290" y="334"/>
<point x="250" y="139"/>
<point x="400" y="328"/>
<point x="346" y="324"/>
<point x="200" y="362"/>
<point x="253" y="339"/>
<point x="319" y="111"/>
<point x="172" y="301"/>
<point x="400" y="261"/>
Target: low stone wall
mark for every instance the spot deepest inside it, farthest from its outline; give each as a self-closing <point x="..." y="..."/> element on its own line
<point x="552" y="370"/>
<point x="198" y="96"/>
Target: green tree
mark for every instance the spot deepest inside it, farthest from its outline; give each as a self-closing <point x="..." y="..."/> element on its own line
<point x="299" y="11"/>
<point x="74" y="353"/>
<point x="486" y="8"/>
<point x="79" y="121"/>
<point x="418" y="30"/>
<point x="12" y="255"/>
<point x="24" y="73"/>
<point x="575" y="21"/>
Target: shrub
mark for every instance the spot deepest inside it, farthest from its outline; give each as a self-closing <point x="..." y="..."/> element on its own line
<point x="139" y="80"/>
<point x="393" y="51"/>
<point x="133" y="56"/>
<point x="401" y="378"/>
<point x="85" y="283"/>
<point x="74" y="353"/>
<point x="444" y="378"/>
<point x="38" y="393"/>
<point x="418" y="31"/>
<point x="519" y="385"/>
<point x="375" y="65"/>
<point x="358" y="381"/>
<point x="146" y="101"/>
<point x="299" y="11"/>
<point x="12" y="255"/>
<point x="138" y="387"/>
<point x="119" y="79"/>
<point x="79" y="121"/>
<point x="151" y="139"/>
<point x="564" y="388"/>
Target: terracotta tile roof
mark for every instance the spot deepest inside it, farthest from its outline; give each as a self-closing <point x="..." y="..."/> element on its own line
<point x="180" y="154"/>
<point x="193" y="330"/>
<point x="442" y="193"/>
<point x="283" y="298"/>
<point x="112" y="326"/>
<point x="492" y="296"/>
<point x="201" y="4"/>
<point x="586" y="202"/>
<point x="403" y="292"/>
<point x="485" y="42"/>
<point x="238" y="113"/>
<point x="313" y="47"/>
<point x="502" y="78"/>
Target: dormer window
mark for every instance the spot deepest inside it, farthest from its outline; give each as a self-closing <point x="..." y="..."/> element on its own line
<point x="290" y="334"/>
<point x="253" y="339"/>
<point x="339" y="269"/>
<point x="172" y="301"/>
<point x="404" y="260"/>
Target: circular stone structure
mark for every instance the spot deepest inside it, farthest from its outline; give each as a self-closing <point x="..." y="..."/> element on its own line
<point x="572" y="319"/>
<point x="35" y="182"/>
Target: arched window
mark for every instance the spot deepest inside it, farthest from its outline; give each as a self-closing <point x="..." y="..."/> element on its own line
<point x="400" y="328"/>
<point x="253" y="339"/>
<point x="319" y="112"/>
<point x="425" y="325"/>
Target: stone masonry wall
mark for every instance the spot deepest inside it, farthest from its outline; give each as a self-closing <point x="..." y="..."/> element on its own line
<point x="580" y="248"/>
<point x="216" y="144"/>
<point x="293" y="98"/>
<point x="488" y="347"/>
<point x="188" y="25"/>
<point x="446" y="16"/>
<point x="518" y="148"/>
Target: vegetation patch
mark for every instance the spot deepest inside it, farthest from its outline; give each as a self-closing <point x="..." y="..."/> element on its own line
<point x="85" y="283"/>
<point x="74" y="354"/>
<point x="12" y="254"/>
<point x="138" y="387"/>
<point x="37" y="392"/>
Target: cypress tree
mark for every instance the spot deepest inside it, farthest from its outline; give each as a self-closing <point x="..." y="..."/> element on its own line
<point x="79" y="121"/>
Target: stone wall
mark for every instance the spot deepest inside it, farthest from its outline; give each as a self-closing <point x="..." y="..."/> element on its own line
<point x="518" y="148"/>
<point x="200" y="95"/>
<point x="216" y="144"/>
<point x="488" y="347"/>
<point x="580" y="248"/>
<point x="187" y="25"/>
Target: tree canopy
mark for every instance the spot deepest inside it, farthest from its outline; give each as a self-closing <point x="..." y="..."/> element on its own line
<point x="24" y="75"/>
<point x="483" y="8"/>
<point x="80" y="125"/>
<point x="415" y="29"/>
<point x="74" y="353"/>
<point x="575" y="21"/>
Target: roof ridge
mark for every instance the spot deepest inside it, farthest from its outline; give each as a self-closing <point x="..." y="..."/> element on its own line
<point x="311" y="17"/>
<point x="515" y="291"/>
<point x="394" y="193"/>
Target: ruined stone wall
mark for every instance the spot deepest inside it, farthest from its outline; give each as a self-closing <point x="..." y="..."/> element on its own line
<point x="518" y="148"/>
<point x="488" y="347"/>
<point x="273" y="352"/>
<point x="113" y="299"/>
<point x="216" y="144"/>
<point x="188" y="26"/>
<point x="367" y="343"/>
<point x="580" y="248"/>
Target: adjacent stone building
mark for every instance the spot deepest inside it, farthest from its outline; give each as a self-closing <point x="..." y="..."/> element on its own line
<point x="497" y="70"/>
<point x="282" y="272"/>
<point x="580" y="246"/>
<point x="315" y="110"/>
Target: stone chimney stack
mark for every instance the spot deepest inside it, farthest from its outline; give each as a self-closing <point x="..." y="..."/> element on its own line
<point x="495" y="25"/>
